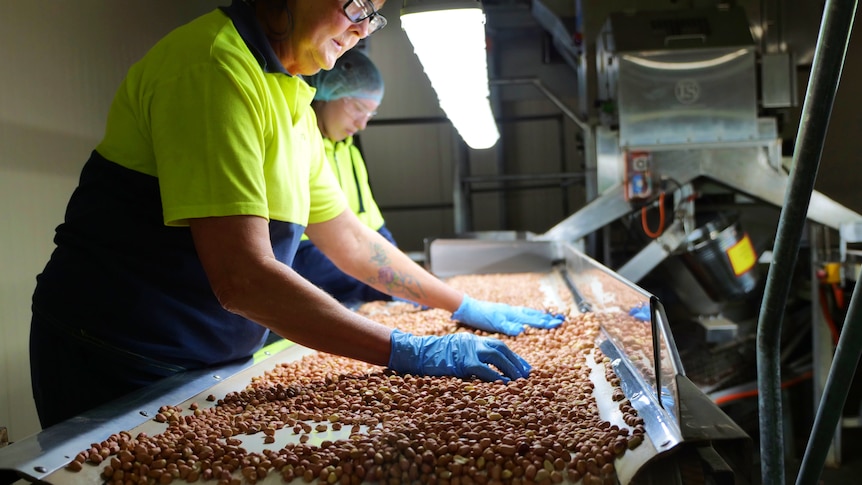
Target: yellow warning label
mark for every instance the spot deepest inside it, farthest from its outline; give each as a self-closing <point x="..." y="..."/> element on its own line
<point x="833" y="273"/>
<point x="742" y="256"/>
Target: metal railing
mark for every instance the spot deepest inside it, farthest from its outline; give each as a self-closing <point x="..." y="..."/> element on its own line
<point x="833" y="39"/>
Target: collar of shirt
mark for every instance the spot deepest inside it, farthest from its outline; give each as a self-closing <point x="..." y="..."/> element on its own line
<point x="243" y="17"/>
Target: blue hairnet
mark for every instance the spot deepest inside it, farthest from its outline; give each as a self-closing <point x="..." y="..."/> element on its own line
<point x="353" y="76"/>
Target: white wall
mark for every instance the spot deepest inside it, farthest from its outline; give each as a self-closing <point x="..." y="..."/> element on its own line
<point x="61" y="63"/>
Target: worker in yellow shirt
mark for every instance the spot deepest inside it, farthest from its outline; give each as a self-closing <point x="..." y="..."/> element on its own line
<point x="176" y="247"/>
<point x="347" y="97"/>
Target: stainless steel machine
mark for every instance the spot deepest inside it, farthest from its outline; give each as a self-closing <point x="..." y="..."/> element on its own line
<point x="679" y="97"/>
<point x="678" y="94"/>
<point x="679" y="129"/>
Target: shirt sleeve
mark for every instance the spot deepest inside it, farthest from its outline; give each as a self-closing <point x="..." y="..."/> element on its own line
<point x="208" y="140"/>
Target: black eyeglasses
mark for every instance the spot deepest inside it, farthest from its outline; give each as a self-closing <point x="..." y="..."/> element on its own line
<point x="359" y="10"/>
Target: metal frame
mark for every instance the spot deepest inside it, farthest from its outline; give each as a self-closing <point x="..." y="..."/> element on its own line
<point x="832" y="42"/>
<point x="799" y="202"/>
<point x="745" y="169"/>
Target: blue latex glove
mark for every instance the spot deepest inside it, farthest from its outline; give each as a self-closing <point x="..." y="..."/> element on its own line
<point x="461" y="355"/>
<point x="502" y="318"/>
<point x="641" y="312"/>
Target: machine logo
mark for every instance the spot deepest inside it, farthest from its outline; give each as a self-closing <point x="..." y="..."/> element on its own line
<point x="687" y="91"/>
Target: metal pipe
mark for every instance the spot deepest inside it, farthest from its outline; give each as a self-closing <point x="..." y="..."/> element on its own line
<point x="561" y="140"/>
<point x="837" y="24"/>
<point x="583" y="125"/>
<point x="461" y="192"/>
<point x="519" y="188"/>
<point x="426" y="120"/>
<point x="524" y="177"/>
<point x="418" y="207"/>
<point x="500" y="151"/>
<point x="834" y="394"/>
<point x="536" y="117"/>
<point x="826" y="69"/>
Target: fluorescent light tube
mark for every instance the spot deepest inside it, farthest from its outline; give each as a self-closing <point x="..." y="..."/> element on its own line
<point x="449" y="40"/>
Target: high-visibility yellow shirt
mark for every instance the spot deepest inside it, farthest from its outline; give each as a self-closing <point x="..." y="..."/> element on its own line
<point x="352" y="174"/>
<point x="208" y="123"/>
<point x="223" y="135"/>
<point x="349" y="167"/>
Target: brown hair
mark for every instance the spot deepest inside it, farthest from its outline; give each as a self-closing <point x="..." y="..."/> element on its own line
<point x="276" y="18"/>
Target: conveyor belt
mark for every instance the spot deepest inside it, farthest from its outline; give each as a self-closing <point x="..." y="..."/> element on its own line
<point x="43" y="456"/>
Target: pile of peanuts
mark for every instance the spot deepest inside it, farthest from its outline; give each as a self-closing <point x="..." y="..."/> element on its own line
<point x="402" y="428"/>
<point x="634" y="337"/>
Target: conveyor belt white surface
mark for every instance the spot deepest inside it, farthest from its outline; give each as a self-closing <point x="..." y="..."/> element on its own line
<point x="626" y="467"/>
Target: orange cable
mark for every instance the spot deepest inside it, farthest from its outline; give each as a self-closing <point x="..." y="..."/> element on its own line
<point x="839" y="295"/>
<point x="753" y="392"/>
<point x="827" y="316"/>
<point x="646" y="228"/>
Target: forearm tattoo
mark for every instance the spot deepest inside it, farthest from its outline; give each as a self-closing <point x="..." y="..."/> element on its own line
<point x="396" y="284"/>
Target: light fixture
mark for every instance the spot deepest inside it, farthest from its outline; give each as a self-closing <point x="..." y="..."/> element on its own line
<point x="448" y="36"/>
